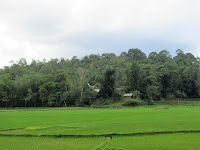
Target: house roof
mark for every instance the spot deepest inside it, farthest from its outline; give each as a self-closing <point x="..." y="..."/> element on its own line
<point x="96" y="90"/>
<point x="120" y="88"/>
<point x="128" y="94"/>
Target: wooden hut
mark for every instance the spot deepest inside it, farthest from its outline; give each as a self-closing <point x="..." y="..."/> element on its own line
<point x="128" y="95"/>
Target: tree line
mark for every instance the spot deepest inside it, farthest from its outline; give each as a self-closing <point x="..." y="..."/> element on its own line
<point x="82" y="82"/>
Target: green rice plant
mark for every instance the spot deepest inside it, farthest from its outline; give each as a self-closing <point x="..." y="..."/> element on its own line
<point x="100" y="121"/>
<point x="178" y="141"/>
<point x="37" y="143"/>
<point x="37" y="128"/>
<point x="100" y="146"/>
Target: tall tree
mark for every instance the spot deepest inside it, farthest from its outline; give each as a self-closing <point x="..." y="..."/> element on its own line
<point x="136" y="54"/>
<point x="82" y="73"/>
<point x="108" y="84"/>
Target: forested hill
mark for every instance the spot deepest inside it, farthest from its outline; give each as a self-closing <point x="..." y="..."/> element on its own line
<point x="75" y="82"/>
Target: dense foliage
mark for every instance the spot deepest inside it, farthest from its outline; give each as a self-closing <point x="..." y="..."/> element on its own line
<point x="75" y="82"/>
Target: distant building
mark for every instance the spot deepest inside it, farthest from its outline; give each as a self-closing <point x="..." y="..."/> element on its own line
<point x="94" y="88"/>
<point x="121" y="89"/>
<point x="128" y="95"/>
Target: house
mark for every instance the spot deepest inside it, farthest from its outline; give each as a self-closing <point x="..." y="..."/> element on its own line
<point x="96" y="90"/>
<point x="93" y="87"/>
<point x="128" y="95"/>
<point x="121" y="89"/>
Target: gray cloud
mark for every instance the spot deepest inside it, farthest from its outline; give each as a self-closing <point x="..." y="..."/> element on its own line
<point x="44" y="29"/>
<point x="42" y="26"/>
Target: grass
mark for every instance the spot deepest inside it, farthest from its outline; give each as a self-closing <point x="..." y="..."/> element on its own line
<point x="101" y="121"/>
<point x="189" y="141"/>
<point x="36" y="143"/>
<point x="176" y="141"/>
<point x="37" y="128"/>
<point x="88" y="121"/>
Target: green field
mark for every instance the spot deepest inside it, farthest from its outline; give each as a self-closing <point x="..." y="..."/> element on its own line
<point x="43" y="125"/>
<point x="156" y="142"/>
<point x="37" y="143"/>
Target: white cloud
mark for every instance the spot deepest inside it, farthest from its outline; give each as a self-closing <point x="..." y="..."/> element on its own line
<point x="32" y="29"/>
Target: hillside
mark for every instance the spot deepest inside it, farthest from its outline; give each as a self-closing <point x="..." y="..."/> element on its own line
<point x="63" y="82"/>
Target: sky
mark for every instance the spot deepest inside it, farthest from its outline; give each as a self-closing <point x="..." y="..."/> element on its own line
<point x="44" y="29"/>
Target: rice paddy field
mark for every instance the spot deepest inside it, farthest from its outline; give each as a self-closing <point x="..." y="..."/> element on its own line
<point x="149" y="128"/>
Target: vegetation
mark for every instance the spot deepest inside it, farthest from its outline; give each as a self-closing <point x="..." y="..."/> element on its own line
<point x="27" y="91"/>
<point x="134" y="102"/>
<point x="151" y="142"/>
<point x="78" y="121"/>
<point x="35" y="143"/>
<point x="86" y="128"/>
<point x="156" y="142"/>
<point x="63" y="82"/>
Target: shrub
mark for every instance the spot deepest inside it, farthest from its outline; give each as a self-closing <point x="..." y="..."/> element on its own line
<point x="134" y="102"/>
<point x="170" y="96"/>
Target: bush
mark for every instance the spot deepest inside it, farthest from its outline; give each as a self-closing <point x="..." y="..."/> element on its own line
<point x="102" y="102"/>
<point x="170" y="96"/>
<point x="134" y="102"/>
<point x="180" y="94"/>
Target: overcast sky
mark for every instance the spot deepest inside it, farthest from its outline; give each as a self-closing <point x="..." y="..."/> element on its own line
<point x="37" y="29"/>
